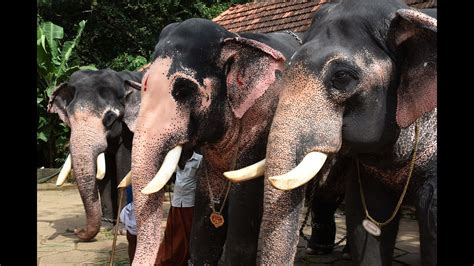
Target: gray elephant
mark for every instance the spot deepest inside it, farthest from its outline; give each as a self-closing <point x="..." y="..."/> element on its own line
<point x="207" y="88"/>
<point x="362" y="86"/>
<point x="100" y="107"/>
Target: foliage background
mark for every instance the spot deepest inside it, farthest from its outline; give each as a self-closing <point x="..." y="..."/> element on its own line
<point x="116" y="28"/>
<point x="119" y="34"/>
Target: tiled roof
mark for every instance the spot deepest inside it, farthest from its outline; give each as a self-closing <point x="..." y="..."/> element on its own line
<point x="270" y="16"/>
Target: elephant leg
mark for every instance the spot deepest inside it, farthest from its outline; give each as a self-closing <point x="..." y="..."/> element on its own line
<point x="367" y="249"/>
<point x="105" y="192"/>
<point x="245" y="215"/>
<point x="206" y="241"/>
<point x="323" y="226"/>
<point x="123" y="159"/>
<point x="426" y="213"/>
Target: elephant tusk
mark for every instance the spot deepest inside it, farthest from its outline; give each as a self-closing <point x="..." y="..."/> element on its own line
<point x="247" y="173"/>
<point x="126" y="181"/>
<point x="301" y="174"/>
<point x="134" y="84"/>
<point x="66" y="169"/>
<point x="166" y="171"/>
<point x="100" y="166"/>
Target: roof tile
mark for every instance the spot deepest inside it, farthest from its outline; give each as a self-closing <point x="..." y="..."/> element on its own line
<point x="278" y="15"/>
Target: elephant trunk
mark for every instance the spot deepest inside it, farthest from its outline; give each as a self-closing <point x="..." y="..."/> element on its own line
<point x="159" y="128"/>
<point x="147" y="156"/>
<point x="85" y="148"/>
<point x="294" y="134"/>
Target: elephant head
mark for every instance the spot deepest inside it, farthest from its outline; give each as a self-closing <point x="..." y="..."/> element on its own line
<point x="96" y="105"/>
<point x="366" y="70"/>
<point x="203" y="80"/>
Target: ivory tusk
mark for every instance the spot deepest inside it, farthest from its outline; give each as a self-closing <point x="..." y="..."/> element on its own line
<point x="66" y="169"/>
<point x="166" y="171"/>
<point x="126" y="181"/>
<point x="247" y="173"/>
<point x="100" y="166"/>
<point x="301" y="174"/>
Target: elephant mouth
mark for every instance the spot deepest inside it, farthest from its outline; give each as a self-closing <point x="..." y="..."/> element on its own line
<point x="162" y="176"/>
<point x="165" y="172"/>
<point x="296" y="177"/>
<point x="67" y="166"/>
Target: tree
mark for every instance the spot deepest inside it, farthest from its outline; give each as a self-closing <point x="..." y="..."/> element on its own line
<point x="53" y="59"/>
<point x="120" y="31"/>
<point x="120" y="35"/>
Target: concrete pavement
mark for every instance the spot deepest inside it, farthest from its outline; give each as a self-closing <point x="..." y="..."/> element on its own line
<point x="61" y="210"/>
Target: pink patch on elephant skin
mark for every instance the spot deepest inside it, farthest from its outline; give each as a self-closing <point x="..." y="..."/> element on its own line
<point x="242" y="136"/>
<point x="283" y="149"/>
<point x="206" y="93"/>
<point x="59" y="108"/>
<point x="419" y="96"/>
<point x="158" y="86"/>
<point x="150" y="144"/>
<point x="251" y="73"/>
<point x="256" y="84"/>
<point x="257" y="45"/>
<point x="86" y="142"/>
<point x="414" y="36"/>
<point x="416" y="18"/>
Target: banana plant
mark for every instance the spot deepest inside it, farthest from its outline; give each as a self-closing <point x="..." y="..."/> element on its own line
<point x="53" y="67"/>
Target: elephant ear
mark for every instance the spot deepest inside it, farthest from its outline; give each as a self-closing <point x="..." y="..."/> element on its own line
<point x="413" y="36"/>
<point x="131" y="83"/>
<point x="250" y="67"/>
<point x="59" y="100"/>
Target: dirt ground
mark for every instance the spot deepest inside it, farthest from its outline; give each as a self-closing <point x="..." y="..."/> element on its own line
<point x="61" y="210"/>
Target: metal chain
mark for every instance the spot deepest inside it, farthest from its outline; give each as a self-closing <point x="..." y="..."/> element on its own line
<point x="294" y="36"/>
<point x="211" y="204"/>
<point x="412" y="165"/>
<point x="108" y="220"/>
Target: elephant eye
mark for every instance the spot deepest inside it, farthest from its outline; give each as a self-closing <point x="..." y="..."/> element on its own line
<point x="183" y="89"/>
<point x="343" y="80"/>
<point x="109" y="118"/>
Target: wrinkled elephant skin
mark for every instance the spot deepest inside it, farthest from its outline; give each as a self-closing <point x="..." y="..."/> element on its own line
<point x="101" y="110"/>
<point x="210" y="89"/>
<point x="365" y="73"/>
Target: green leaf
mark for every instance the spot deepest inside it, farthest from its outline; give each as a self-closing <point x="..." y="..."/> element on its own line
<point x="66" y="73"/>
<point x="88" y="67"/>
<point x="68" y="48"/>
<point x="49" y="90"/>
<point x="42" y="121"/>
<point x="52" y="33"/>
<point x="41" y="136"/>
<point x="40" y="38"/>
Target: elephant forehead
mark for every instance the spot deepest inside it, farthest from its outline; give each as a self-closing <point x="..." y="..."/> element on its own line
<point x="104" y="82"/>
<point x="157" y="78"/>
<point x="376" y="70"/>
<point x="88" y="119"/>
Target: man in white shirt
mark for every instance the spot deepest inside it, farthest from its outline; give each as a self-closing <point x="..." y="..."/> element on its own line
<point x="174" y="249"/>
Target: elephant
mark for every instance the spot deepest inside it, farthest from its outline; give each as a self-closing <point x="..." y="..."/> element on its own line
<point x="100" y="107"/>
<point x="326" y="198"/>
<point x="211" y="89"/>
<point x="362" y="87"/>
